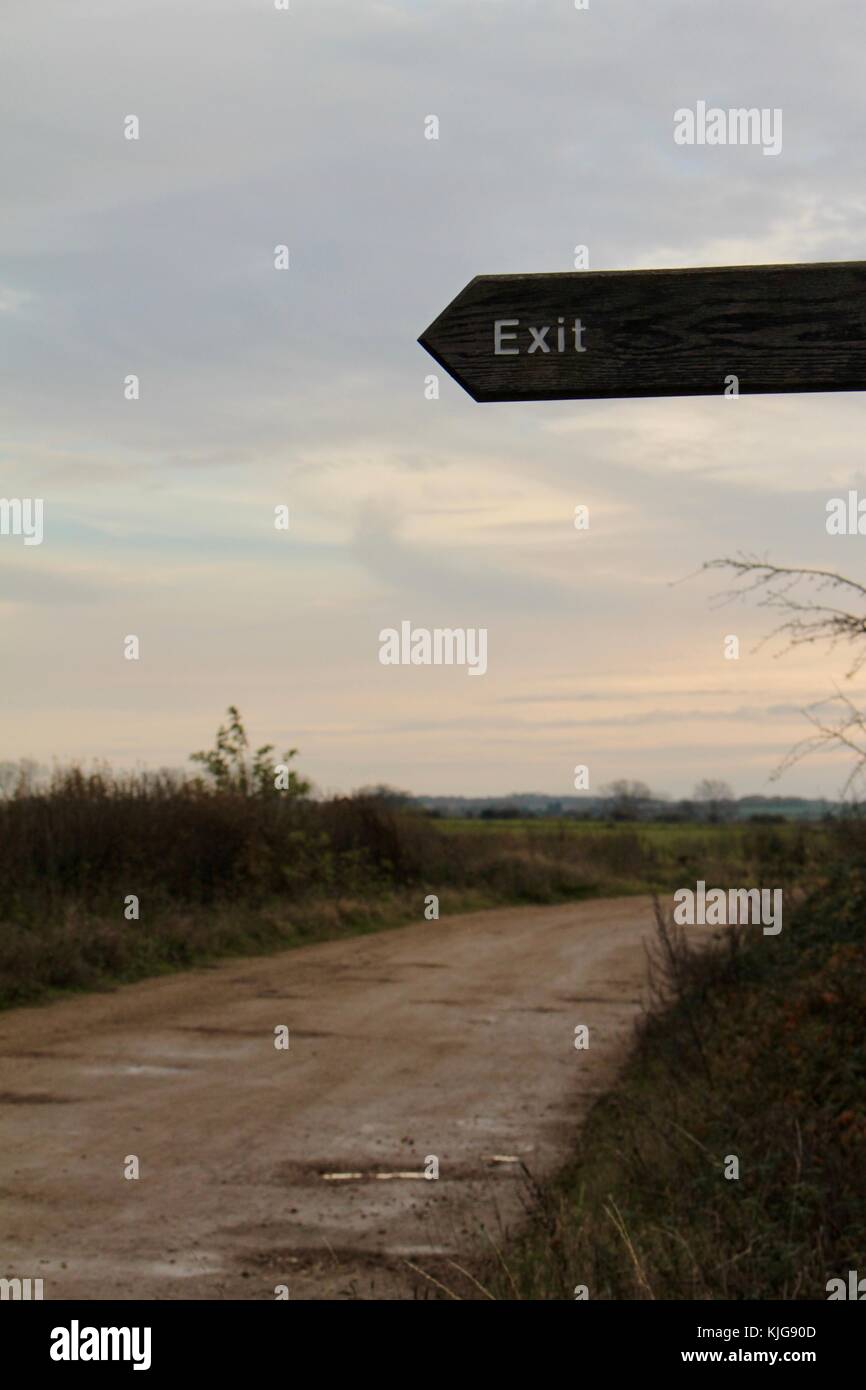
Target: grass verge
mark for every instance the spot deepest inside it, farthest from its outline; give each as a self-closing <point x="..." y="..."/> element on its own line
<point x="755" y="1050"/>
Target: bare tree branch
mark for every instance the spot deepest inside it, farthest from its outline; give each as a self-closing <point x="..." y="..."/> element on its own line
<point x="808" y="621"/>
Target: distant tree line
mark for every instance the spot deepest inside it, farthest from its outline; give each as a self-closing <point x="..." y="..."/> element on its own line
<point x="712" y="803"/>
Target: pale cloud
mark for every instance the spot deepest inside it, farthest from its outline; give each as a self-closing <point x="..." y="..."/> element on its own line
<point x="307" y="388"/>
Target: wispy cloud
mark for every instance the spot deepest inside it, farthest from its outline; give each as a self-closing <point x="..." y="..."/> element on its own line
<point x="307" y="388"/>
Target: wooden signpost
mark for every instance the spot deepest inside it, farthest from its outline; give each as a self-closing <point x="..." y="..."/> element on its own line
<point x="607" y="334"/>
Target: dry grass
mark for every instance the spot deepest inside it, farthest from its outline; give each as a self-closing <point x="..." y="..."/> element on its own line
<point x="217" y="872"/>
<point x="754" y="1049"/>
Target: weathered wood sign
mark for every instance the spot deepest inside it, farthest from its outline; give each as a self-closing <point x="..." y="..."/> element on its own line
<point x="604" y="334"/>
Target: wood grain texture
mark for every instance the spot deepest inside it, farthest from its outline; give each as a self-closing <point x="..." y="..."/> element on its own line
<point x="777" y="328"/>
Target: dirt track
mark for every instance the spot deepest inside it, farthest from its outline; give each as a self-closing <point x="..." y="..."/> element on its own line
<point x="451" y="1038"/>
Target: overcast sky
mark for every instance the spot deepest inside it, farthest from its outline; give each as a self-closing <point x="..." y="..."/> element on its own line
<point x="305" y="387"/>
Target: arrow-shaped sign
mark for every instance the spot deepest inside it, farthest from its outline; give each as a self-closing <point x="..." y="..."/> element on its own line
<point x="611" y="333"/>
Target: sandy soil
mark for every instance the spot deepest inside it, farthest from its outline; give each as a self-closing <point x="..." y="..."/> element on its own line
<point x="453" y="1039"/>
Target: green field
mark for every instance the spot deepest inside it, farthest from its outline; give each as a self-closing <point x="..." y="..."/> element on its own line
<point x="656" y="832"/>
<point x="662" y="855"/>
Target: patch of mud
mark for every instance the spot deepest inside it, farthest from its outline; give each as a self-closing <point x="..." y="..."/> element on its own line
<point x="34" y="1098"/>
